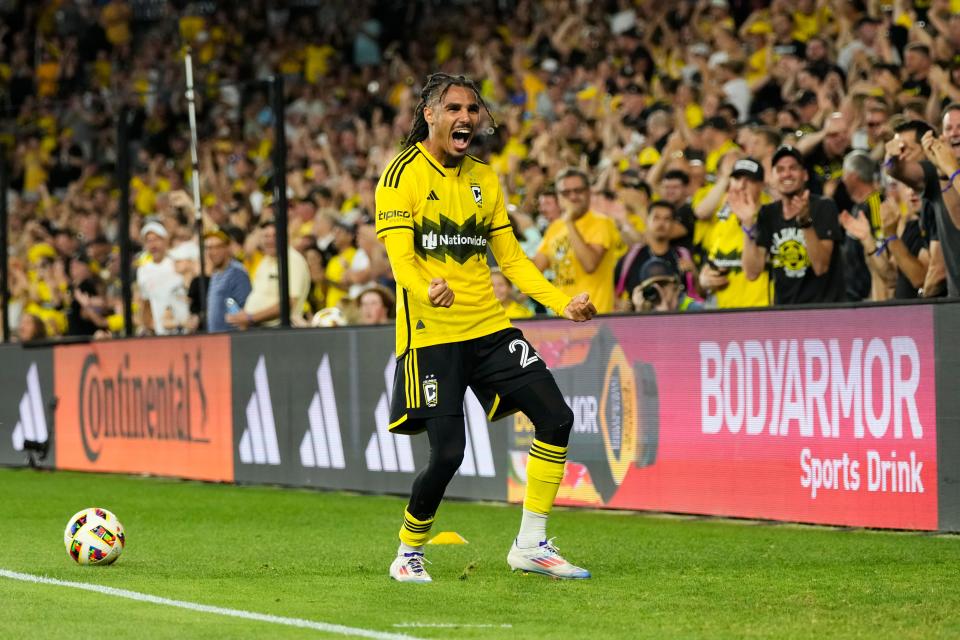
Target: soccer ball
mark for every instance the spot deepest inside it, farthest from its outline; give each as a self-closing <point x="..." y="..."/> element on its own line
<point x="94" y="536"/>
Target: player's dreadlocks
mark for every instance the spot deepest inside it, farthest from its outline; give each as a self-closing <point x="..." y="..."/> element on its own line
<point x="432" y="94"/>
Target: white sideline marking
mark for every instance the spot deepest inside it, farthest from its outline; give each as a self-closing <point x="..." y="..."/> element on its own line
<point x="205" y="608"/>
<point x="451" y="625"/>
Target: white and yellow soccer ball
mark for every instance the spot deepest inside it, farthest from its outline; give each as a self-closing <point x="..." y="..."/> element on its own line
<point x="94" y="536"/>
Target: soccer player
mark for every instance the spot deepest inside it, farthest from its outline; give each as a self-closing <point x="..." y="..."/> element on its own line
<point x="438" y="210"/>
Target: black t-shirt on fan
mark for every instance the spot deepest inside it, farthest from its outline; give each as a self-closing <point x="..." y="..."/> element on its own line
<point x="794" y="281"/>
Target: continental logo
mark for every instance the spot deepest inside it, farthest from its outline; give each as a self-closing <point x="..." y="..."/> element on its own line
<point x="396" y="214"/>
<point x="445" y="238"/>
<point x="124" y="406"/>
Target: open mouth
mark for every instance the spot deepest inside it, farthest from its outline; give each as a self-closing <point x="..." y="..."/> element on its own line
<point x="461" y="139"/>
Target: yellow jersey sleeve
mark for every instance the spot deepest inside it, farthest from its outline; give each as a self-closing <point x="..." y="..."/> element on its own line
<point x="522" y="272"/>
<point x="500" y="223"/>
<point x="404" y="264"/>
<point x="395" y="199"/>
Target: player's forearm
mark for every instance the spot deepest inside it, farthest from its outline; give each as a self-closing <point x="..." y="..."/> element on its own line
<point x="523" y="273"/>
<point x="403" y="261"/>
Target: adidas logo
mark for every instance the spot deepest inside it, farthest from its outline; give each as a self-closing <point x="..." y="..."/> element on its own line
<point x="32" y="425"/>
<point x="322" y="446"/>
<point x="433" y="196"/>
<point x="258" y="444"/>
<point x="386" y="451"/>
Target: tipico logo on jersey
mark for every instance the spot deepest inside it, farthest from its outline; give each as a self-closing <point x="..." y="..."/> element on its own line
<point x="32" y="425"/>
<point x="392" y="453"/>
<point x="258" y="444"/>
<point x="447" y="238"/>
<point x="322" y="445"/>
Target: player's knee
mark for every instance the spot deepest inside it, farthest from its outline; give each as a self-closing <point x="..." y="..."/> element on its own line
<point x="556" y="427"/>
<point x="447" y="460"/>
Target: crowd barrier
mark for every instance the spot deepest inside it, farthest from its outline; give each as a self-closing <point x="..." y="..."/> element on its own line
<point x="833" y="416"/>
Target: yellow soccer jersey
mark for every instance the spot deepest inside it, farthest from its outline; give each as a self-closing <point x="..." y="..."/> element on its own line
<point x="451" y="215"/>
<point x="571" y="278"/>
<point x="725" y="250"/>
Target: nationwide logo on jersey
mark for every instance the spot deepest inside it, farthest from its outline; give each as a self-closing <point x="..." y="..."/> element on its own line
<point x="446" y="238"/>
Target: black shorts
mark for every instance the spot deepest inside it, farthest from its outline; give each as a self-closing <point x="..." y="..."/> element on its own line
<point x="431" y="381"/>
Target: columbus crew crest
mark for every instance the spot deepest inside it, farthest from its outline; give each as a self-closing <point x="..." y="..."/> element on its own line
<point x="477" y="194"/>
<point x="430" y="394"/>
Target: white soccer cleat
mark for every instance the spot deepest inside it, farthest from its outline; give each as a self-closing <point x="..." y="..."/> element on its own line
<point x="408" y="567"/>
<point x="546" y="559"/>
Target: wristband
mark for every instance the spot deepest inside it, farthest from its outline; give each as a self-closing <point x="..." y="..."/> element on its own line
<point x="750" y="231"/>
<point x="883" y="244"/>
<point x="888" y="163"/>
<point x="950" y="181"/>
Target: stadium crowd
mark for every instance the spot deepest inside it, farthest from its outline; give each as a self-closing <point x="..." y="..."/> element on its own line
<point x="662" y="156"/>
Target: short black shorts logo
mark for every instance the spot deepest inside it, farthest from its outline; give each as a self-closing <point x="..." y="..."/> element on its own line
<point x="430" y="392"/>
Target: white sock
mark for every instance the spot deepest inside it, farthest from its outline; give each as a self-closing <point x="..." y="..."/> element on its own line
<point x="405" y="548"/>
<point x="533" y="529"/>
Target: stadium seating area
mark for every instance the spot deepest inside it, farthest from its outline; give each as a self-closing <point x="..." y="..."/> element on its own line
<point x="655" y="101"/>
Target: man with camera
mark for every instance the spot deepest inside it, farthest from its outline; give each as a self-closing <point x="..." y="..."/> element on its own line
<point x="800" y="233"/>
<point x="660" y="290"/>
<point x="628" y="272"/>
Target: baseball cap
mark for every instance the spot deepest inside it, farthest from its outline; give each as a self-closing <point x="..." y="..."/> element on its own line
<point x="784" y="151"/>
<point x="154" y="227"/>
<point x="748" y="168"/>
<point x="656" y="269"/>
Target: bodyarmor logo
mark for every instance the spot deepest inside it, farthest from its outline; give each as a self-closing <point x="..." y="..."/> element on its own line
<point x="430" y="391"/>
<point x="447" y="238"/>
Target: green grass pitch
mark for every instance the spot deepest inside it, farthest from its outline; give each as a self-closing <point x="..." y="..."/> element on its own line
<point x="323" y="556"/>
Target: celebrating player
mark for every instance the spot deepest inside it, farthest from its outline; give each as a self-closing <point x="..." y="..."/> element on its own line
<point x="438" y="209"/>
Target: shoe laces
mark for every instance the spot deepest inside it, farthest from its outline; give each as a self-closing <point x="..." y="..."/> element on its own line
<point x="415" y="562"/>
<point x="549" y="547"/>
